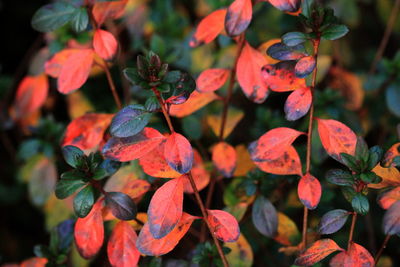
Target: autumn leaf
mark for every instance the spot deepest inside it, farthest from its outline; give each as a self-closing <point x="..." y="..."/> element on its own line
<point x="387" y="198"/>
<point x="317" y="252"/>
<point x="287" y="233"/>
<point x="165" y="208"/>
<point x="199" y="173"/>
<point x="333" y="221"/>
<point x="298" y="103"/>
<point x="265" y="217"/>
<point x="133" y="147"/>
<point x="390" y="177"/>
<point x="33" y="262"/>
<point x="195" y="102"/>
<point x="178" y="153"/>
<point x="121" y="247"/>
<point x="309" y="191"/>
<point x="241" y="254"/>
<point x="391" y="220"/>
<point x="248" y="71"/>
<point x="280" y="77"/>
<point x="31" y="94"/>
<point x="273" y="144"/>
<point x="244" y="162"/>
<point x="89" y="232"/>
<point x="336" y="138"/>
<point x="53" y="66"/>
<point x="211" y="80"/>
<point x="305" y="66"/>
<point x="238" y="17"/>
<point x="390" y="155"/>
<point x="224" y="225"/>
<point x="234" y="116"/>
<point x="103" y="10"/>
<point x="104" y="44"/>
<point x="86" y="132"/>
<point x="224" y="158"/>
<point x="286" y="5"/>
<point x="358" y="256"/>
<point x="148" y="245"/>
<point x="209" y="28"/>
<point x="75" y="70"/>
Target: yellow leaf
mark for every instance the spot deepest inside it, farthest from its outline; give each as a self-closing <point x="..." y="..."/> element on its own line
<point x="288" y="234"/>
<point x="244" y="162"/>
<point x="241" y="254"/>
<point x="56" y="211"/>
<point x="390" y="177"/>
<point x="78" y="105"/>
<point x="238" y="210"/>
<point x="233" y="118"/>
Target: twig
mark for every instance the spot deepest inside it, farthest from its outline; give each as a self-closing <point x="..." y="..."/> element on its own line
<point x="384" y="244"/>
<point x="353" y="224"/>
<point x="112" y="85"/>
<point x="385" y="38"/>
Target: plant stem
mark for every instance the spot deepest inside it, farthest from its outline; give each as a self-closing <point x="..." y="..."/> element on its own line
<point x="316" y="43"/>
<point x="378" y="255"/>
<point x="232" y="78"/>
<point x="192" y="183"/>
<point x="112" y="85"/>
<point x="385" y="38"/>
<point x="353" y="224"/>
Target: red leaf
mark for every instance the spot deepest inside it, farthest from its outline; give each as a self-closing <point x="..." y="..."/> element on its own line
<point x="317" y="252"/>
<point x="154" y="164"/>
<point x="165" y="208"/>
<point x="195" y="102"/>
<point x="104" y="44"/>
<point x="33" y="262"/>
<point x="298" y="103"/>
<point x="309" y="191"/>
<point x="108" y="10"/>
<point x="75" y="70"/>
<point x="211" y="80"/>
<point x="248" y="72"/>
<point x="358" y="256"/>
<point x="273" y="144"/>
<point x="178" y="153"/>
<point x="148" y="245"/>
<point x="199" y="173"/>
<point x="121" y="247"/>
<point x="286" y="5"/>
<point x="224" y="225"/>
<point x="31" y="95"/>
<point x="336" y="138"/>
<point x="53" y="66"/>
<point x="305" y="66"/>
<point x="209" y="28"/>
<point x="89" y="232"/>
<point x="134" y="147"/>
<point x="224" y="158"/>
<point x="338" y="260"/>
<point x="394" y="151"/>
<point x="238" y="17"/>
<point x="281" y="78"/>
<point x="86" y="132"/>
<point x="288" y="163"/>
<point x="388" y="198"/>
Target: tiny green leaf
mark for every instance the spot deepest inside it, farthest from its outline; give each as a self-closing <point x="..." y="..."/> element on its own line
<point x="334" y="31"/>
<point x="83" y="201"/>
<point x="80" y="19"/>
<point x="339" y="177"/>
<point x="52" y="16"/>
<point x="66" y="187"/>
<point x="74" y="156"/>
<point x="349" y="161"/>
<point x="360" y="204"/>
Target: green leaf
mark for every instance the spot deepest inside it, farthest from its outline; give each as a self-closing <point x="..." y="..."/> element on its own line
<point x="52" y="16"/>
<point x="80" y="19"/>
<point x="294" y="38"/>
<point x="172" y="76"/>
<point x="107" y="168"/>
<point x="74" y="156"/>
<point x="349" y="161"/>
<point x="339" y="177"/>
<point x="73" y="175"/>
<point x="152" y="104"/>
<point x="66" y="187"/>
<point x="362" y="152"/>
<point x="121" y="206"/>
<point x="360" y="204"/>
<point x="132" y="75"/>
<point x="306" y="7"/>
<point x="129" y="121"/>
<point x="83" y="201"/>
<point x="375" y="155"/>
<point x="369" y="177"/>
<point x="334" y="31"/>
<point x="348" y="193"/>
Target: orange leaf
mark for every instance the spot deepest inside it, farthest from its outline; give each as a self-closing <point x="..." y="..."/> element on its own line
<point x="390" y="177"/>
<point x="75" y="70"/>
<point x="309" y="191"/>
<point x="298" y="103"/>
<point x="154" y="164"/>
<point x="358" y="256"/>
<point x="238" y="17"/>
<point x="388" y="198"/>
<point x="224" y="225"/>
<point x="165" y="208"/>
<point x="121" y="247"/>
<point x="394" y="151"/>
<point x="133" y="147"/>
<point x="209" y="28"/>
<point x="248" y="71"/>
<point x="195" y="102"/>
<point x="87" y="132"/>
<point x="273" y="144"/>
<point x="178" y="153"/>
<point x="286" y="5"/>
<point x="288" y="163"/>
<point x="211" y="80"/>
<point x="53" y="66"/>
<point x="280" y="77"/>
<point x="244" y="162"/>
<point x="89" y="232"/>
<point x="199" y="173"/>
<point x="148" y="245"/>
<point x="34" y="262"/>
<point x="232" y="119"/>
<point x="336" y="138"/>
<point x="287" y="230"/>
<point x="224" y="158"/>
<point x="108" y="10"/>
<point x="104" y="44"/>
<point x="31" y="95"/>
<point x="317" y="252"/>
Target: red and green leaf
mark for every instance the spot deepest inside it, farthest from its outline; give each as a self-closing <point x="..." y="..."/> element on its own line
<point x="238" y="17"/>
<point x="224" y="158"/>
<point x="224" y="225"/>
<point x="211" y="80"/>
<point x="317" y="252"/>
<point x="178" y="153"/>
<point x="309" y="191"/>
<point x="209" y="28"/>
